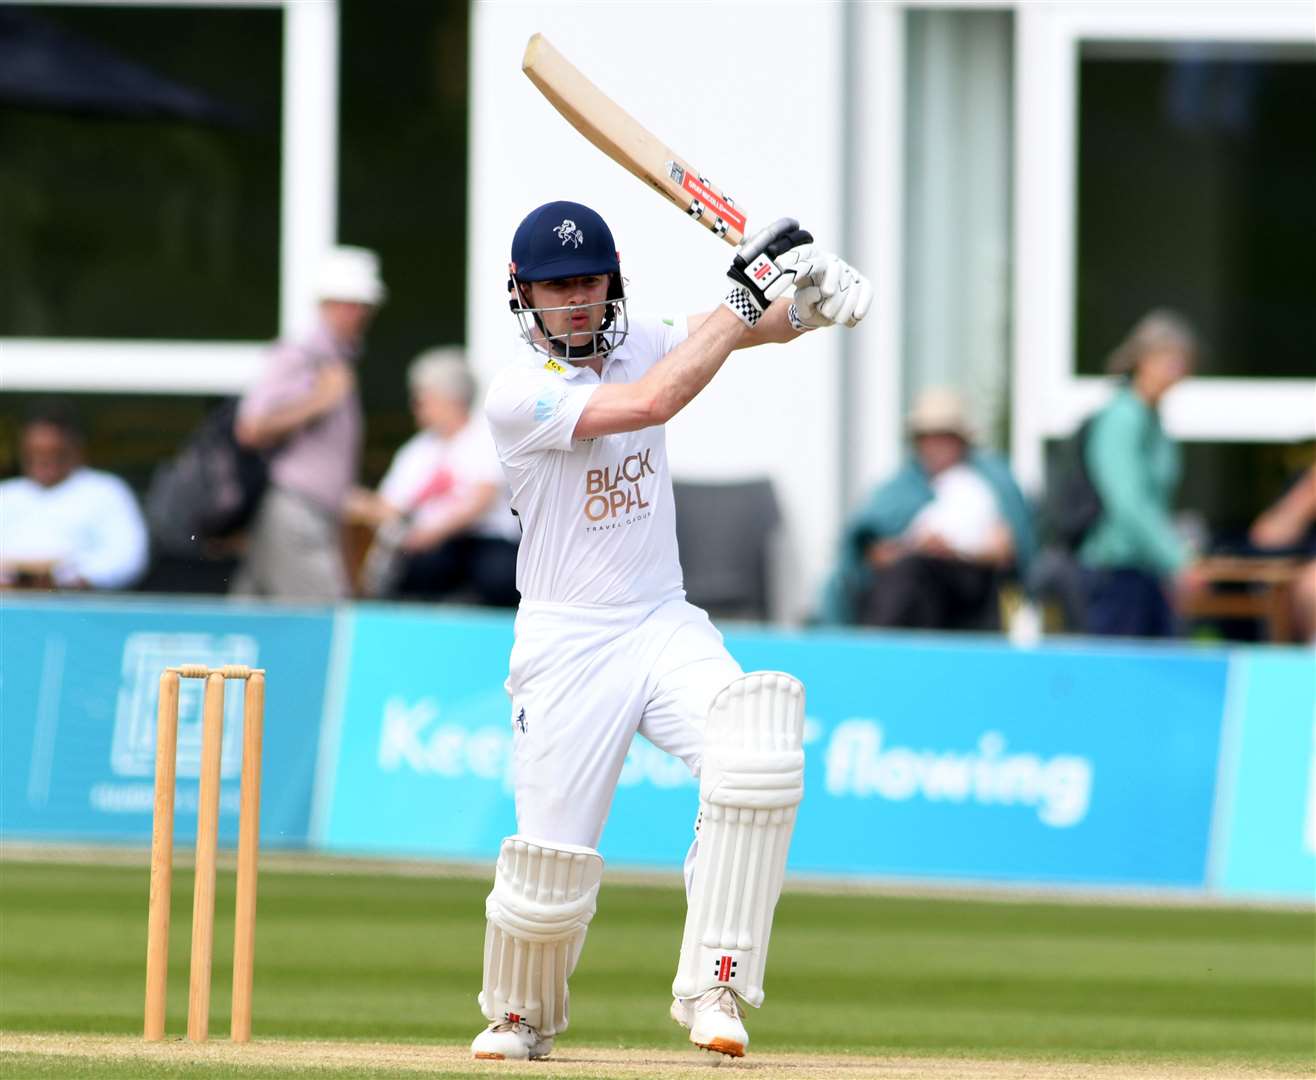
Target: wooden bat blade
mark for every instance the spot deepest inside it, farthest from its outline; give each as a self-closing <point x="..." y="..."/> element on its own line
<point x="619" y="135"/>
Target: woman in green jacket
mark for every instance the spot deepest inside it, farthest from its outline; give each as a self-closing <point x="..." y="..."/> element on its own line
<point x="1133" y="556"/>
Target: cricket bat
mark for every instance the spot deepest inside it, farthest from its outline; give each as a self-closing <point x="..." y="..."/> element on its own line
<point x="619" y="135"/>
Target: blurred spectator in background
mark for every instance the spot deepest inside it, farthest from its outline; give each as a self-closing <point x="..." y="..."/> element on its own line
<point x="932" y="545"/>
<point x="1134" y="560"/>
<point x="445" y="523"/>
<point x="1289" y="528"/>
<point x="304" y="411"/>
<point x="61" y="522"/>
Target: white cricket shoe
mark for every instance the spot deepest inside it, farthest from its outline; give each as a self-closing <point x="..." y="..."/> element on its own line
<point x="510" y="1040"/>
<point x="714" y="1020"/>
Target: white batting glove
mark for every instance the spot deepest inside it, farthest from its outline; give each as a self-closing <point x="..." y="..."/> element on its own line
<point x="765" y="266"/>
<point x="832" y="293"/>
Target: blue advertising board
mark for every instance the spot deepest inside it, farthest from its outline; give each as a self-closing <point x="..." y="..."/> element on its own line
<point x="925" y="758"/>
<point x="388" y="731"/>
<point x="1267" y="841"/>
<point x="79" y="685"/>
<point x="424" y="741"/>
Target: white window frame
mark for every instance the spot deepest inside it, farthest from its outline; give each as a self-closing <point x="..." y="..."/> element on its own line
<point x="1049" y="399"/>
<point x="307" y="228"/>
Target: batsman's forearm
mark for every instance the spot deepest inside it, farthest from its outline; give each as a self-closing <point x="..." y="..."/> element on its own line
<point x="682" y="373"/>
<point x="774" y="328"/>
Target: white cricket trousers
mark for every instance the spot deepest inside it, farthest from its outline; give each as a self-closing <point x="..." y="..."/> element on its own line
<point x="583" y="680"/>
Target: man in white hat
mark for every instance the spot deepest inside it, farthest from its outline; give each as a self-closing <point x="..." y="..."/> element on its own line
<point x="305" y="413"/>
<point x="928" y="550"/>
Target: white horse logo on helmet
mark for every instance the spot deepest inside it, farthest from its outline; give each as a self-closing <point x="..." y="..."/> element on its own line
<point x="569" y="233"/>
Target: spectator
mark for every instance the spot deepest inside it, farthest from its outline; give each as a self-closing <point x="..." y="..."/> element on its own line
<point x="443" y="507"/>
<point x="931" y="546"/>
<point x="1133" y="559"/>
<point x="1289" y="527"/>
<point x="62" y="521"/>
<point x="304" y="411"/>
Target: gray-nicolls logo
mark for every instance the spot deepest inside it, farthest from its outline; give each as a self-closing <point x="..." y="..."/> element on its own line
<point x="569" y="233"/>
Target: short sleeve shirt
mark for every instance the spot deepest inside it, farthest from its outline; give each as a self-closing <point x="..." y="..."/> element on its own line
<point x="598" y="524"/>
<point x="318" y="461"/>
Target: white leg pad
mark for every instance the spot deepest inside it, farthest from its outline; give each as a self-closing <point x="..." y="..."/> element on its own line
<point x="543" y="898"/>
<point x="751" y="783"/>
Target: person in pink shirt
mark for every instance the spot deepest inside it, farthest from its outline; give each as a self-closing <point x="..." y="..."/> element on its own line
<point x="304" y="411"/>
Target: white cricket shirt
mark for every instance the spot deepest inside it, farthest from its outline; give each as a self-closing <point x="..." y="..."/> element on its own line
<point x="598" y="526"/>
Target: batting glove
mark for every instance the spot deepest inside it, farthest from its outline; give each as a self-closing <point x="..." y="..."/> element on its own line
<point x="765" y="266"/>
<point x="831" y="292"/>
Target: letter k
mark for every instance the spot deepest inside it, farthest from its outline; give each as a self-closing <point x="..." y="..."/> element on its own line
<point x="400" y="734"/>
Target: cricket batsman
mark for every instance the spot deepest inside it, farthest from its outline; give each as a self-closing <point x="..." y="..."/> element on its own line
<point x="607" y="645"/>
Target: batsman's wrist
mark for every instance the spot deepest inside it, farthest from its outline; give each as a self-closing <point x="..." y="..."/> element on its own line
<point x="739" y="301"/>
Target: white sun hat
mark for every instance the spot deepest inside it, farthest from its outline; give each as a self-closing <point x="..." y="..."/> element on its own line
<point x="352" y="274"/>
<point x="940" y="410"/>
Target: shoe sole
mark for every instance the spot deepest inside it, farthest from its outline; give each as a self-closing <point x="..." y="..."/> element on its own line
<point x="485" y="1055"/>
<point x="724" y="1046"/>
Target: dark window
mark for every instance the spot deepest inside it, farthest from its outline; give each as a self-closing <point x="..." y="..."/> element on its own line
<point x="1196" y="168"/>
<point x="402" y="190"/>
<point x="163" y="227"/>
<point x="139" y="172"/>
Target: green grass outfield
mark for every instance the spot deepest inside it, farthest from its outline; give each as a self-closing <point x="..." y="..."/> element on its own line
<point x="364" y="954"/>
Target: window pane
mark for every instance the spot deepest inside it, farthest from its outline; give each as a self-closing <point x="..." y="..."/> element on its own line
<point x="1229" y="484"/>
<point x="402" y="191"/>
<point x="1196" y="168"/>
<point x="139" y="173"/>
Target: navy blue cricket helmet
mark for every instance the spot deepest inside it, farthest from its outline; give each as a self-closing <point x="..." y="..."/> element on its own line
<point x="563" y="239"/>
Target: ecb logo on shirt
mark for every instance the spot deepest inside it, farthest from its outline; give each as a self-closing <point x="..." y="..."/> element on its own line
<point x="546" y="405"/>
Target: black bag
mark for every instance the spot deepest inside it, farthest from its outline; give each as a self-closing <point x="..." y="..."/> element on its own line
<point x="1072" y="505"/>
<point x="210" y="490"/>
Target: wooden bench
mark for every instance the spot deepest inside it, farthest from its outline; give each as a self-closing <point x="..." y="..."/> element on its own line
<point x="1248" y="588"/>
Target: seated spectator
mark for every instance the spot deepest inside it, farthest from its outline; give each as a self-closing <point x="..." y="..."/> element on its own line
<point x="931" y="546"/>
<point x="81" y="527"/>
<point x="1133" y="558"/>
<point x="1289" y="528"/>
<point x="445" y="523"/>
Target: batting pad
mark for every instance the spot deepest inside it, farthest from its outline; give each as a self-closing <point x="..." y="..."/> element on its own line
<point x="751" y="782"/>
<point x="542" y="901"/>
